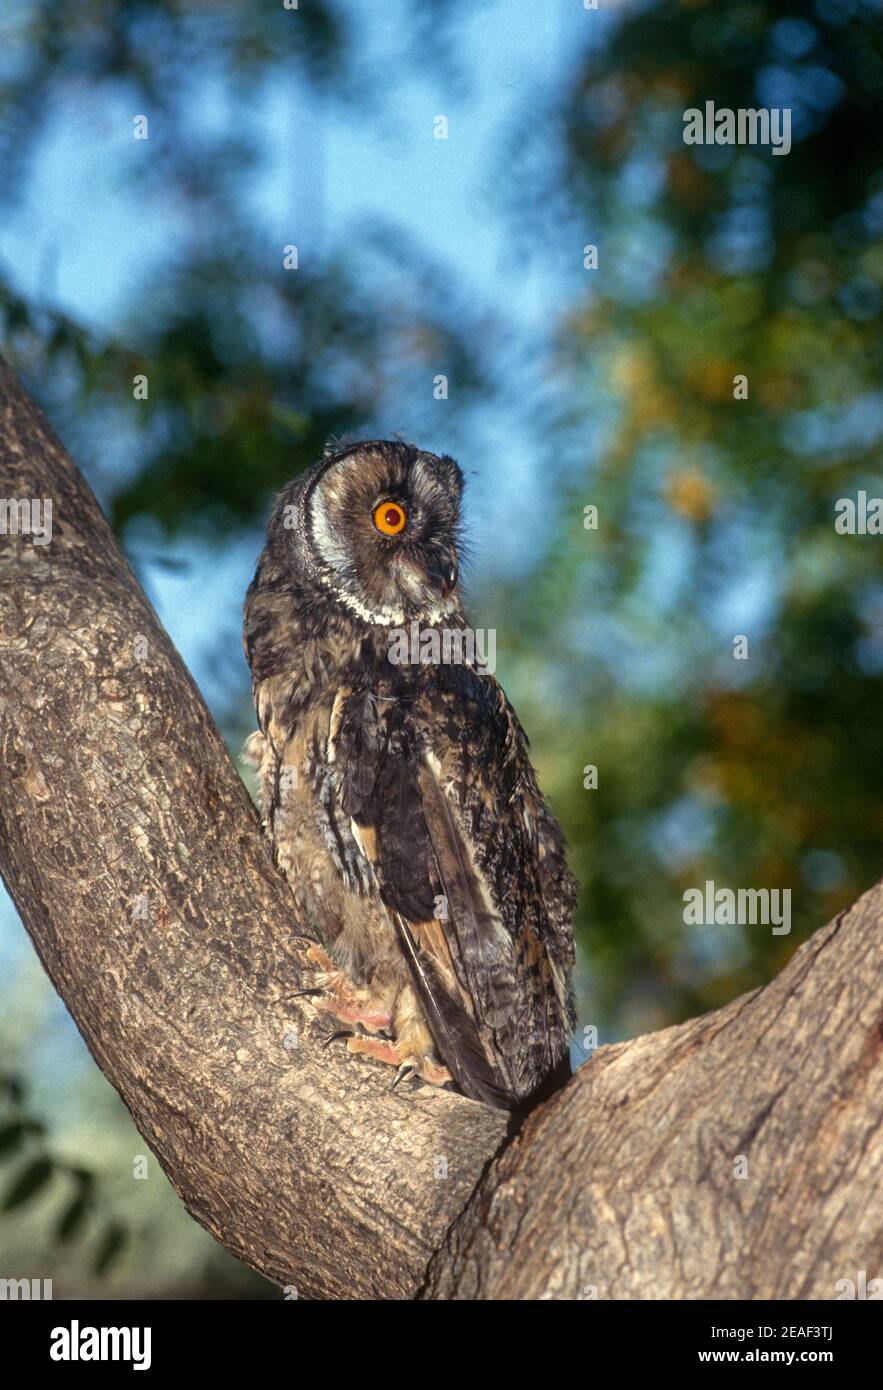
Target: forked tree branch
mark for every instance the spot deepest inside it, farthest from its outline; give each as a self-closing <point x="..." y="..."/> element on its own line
<point x="136" y="861"/>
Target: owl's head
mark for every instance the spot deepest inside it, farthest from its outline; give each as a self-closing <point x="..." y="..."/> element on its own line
<point x="376" y="526"/>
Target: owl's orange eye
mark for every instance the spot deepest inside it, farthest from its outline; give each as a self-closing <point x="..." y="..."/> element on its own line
<point x="390" y="518"/>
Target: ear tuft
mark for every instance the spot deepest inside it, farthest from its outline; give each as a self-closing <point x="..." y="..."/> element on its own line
<point x="341" y="443"/>
<point x="454" y="472"/>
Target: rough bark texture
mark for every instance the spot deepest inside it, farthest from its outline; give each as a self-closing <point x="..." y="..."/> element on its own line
<point x="135" y="858"/>
<point x="739" y="1155"/>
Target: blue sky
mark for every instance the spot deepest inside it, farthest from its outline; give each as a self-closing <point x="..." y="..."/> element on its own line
<point x="84" y="233"/>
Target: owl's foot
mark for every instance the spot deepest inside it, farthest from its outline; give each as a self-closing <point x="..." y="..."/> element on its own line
<point x="336" y="994"/>
<point x="394" y="1055"/>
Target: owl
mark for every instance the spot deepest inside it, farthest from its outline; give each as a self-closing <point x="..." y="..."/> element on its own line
<point x="396" y="787"/>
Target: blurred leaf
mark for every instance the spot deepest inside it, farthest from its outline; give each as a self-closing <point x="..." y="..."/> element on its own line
<point x="72" y="1218"/>
<point x="110" y="1247"/>
<point x="13" y="1088"/>
<point x="31" y="1180"/>
<point x="11" y="1137"/>
<point x="84" y="1178"/>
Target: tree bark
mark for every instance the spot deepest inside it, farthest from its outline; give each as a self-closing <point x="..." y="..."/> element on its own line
<point x="739" y="1155"/>
<point x="136" y="861"/>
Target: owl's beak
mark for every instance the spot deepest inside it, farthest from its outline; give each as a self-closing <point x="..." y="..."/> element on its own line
<point x="446" y="573"/>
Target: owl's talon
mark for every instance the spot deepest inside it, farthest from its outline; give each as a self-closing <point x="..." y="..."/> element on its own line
<point x="404" y="1073"/>
<point x="337" y="995"/>
<point x="435" y="1075"/>
<point x="386" y="1050"/>
<point x="349" y="1009"/>
<point x="380" y="1049"/>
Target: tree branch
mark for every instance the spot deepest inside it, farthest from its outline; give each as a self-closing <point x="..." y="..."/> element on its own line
<point x="630" y="1181"/>
<point x="136" y="861"/>
<point x="118" y="799"/>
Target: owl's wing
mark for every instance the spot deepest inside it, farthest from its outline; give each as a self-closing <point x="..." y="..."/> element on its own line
<point x="444" y="802"/>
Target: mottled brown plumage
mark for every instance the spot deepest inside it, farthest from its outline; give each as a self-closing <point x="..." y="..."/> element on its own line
<point x="400" y="798"/>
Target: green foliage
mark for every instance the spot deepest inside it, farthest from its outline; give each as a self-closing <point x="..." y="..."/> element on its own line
<point x="251" y="367"/>
<point x="39" y="1171"/>
<point x="716" y="513"/>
